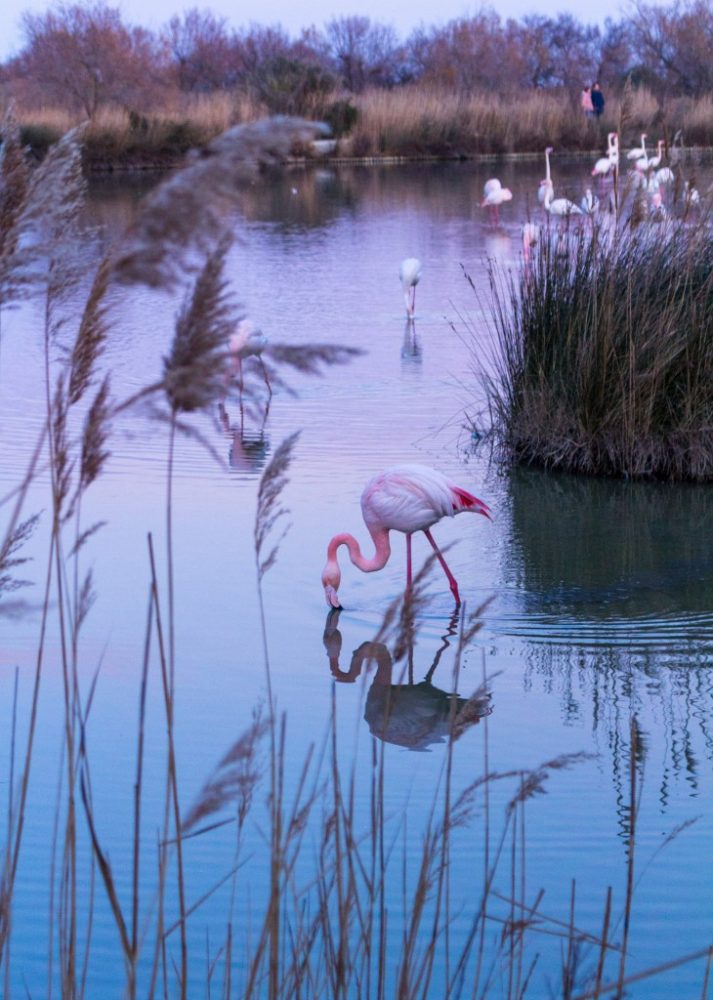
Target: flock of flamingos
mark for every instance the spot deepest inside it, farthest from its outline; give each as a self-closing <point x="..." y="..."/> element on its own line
<point x="411" y="498"/>
<point x="647" y="178"/>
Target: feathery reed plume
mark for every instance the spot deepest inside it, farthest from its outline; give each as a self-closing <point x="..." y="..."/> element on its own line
<point x="533" y="782"/>
<point x="194" y="371"/>
<point x="308" y="359"/>
<point x="62" y="461"/>
<point x="9" y="558"/>
<point x="95" y="436"/>
<point x="49" y="220"/>
<point x="14" y="180"/>
<point x="191" y="210"/>
<point x="233" y="780"/>
<point x="91" y="336"/>
<point x="269" y="508"/>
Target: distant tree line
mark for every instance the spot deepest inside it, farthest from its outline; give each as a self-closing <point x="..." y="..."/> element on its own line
<point x="85" y="56"/>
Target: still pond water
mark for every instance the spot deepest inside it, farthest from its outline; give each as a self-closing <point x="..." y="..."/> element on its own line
<point x="600" y="593"/>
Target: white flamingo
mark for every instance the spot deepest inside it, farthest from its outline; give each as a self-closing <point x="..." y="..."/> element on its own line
<point x="495" y="197"/>
<point x="655" y="161"/>
<point x="542" y="190"/>
<point x="638" y="151"/>
<point x="409" y="276"/>
<point x="563" y="208"/>
<point x="605" y="164"/>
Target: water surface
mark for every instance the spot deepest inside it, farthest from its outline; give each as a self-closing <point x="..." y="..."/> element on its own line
<point x="598" y="594"/>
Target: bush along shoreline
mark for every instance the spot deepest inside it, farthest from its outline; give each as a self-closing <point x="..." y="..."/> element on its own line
<point x="416" y="122"/>
<point x="604" y="353"/>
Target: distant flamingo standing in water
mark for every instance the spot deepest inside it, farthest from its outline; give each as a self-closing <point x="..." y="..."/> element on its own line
<point x="406" y="498"/>
<point x="494" y="195"/>
<point x="409" y="276"/>
<point x="607" y="163"/>
<point x="247" y="341"/>
<point x="547" y="182"/>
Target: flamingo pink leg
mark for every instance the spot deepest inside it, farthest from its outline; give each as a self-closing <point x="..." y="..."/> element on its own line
<point x="451" y="579"/>
<point x="408" y="562"/>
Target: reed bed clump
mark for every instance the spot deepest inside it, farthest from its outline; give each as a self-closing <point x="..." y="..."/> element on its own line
<point x="604" y="353"/>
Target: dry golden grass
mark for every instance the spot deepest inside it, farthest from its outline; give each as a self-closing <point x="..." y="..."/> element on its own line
<point x="416" y="120"/>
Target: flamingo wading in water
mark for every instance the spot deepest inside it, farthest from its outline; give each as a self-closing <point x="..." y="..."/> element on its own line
<point x="409" y="276"/>
<point x="406" y="498"/>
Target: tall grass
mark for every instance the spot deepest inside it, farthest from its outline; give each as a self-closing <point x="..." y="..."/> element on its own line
<point x="604" y="356"/>
<point x="414" y="120"/>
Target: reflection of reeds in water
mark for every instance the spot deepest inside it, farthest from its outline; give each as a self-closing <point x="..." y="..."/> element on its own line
<point x="332" y="936"/>
<point x="616" y="597"/>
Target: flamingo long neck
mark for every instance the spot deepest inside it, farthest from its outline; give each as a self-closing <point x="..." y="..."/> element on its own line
<point x="380" y="537"/>
<point x="548" y="175"/>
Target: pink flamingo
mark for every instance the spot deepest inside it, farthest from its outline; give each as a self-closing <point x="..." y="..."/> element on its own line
<point x="406" y="498"/>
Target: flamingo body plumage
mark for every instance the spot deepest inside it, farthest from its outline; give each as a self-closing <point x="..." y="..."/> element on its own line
<point x="409" y="275"/>
<point x="405" y="498"/>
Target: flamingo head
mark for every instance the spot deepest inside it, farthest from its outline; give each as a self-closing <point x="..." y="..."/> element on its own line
<point x="550" y="149"/>
<point x="331" y="578"/>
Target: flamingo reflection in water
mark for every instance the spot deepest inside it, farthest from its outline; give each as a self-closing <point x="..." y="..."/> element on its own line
<point x="248" y="453"/>
<point x="406" y="714"/>
<point x="411" y="350"/>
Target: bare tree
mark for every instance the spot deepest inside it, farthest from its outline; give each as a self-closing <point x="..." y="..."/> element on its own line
<point x="83" y="56"/>
<point x="363" y="51"/>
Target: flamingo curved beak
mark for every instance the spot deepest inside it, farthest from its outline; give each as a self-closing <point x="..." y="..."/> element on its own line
<point x="332" y="597"/>
<point x="482" y="508"/>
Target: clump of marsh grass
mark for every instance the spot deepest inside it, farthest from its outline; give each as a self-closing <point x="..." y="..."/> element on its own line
<point x="604" y="354"/>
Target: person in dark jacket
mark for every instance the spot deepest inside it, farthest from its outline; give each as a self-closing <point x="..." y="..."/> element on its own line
<point x="597" y="99"/>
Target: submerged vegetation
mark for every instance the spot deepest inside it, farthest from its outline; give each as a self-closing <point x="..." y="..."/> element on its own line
<point x="604" y="357"/>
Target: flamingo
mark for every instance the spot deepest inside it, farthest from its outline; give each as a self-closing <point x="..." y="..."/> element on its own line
<point x="247" y="341"/>
<point x="561" y="207"/>
<point x="639" y="152"/>
<point x="406" y="498"/>
<point x="542" y="190"/>
<point x="494" y="196"/>
<point x="655" y="161"/>
<point x="409" y="276"/>
<point x="606" y="163"/>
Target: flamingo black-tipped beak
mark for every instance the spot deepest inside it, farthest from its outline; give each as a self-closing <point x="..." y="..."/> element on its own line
<point x="332" y="597"/>
<point x="482" y="508"/>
